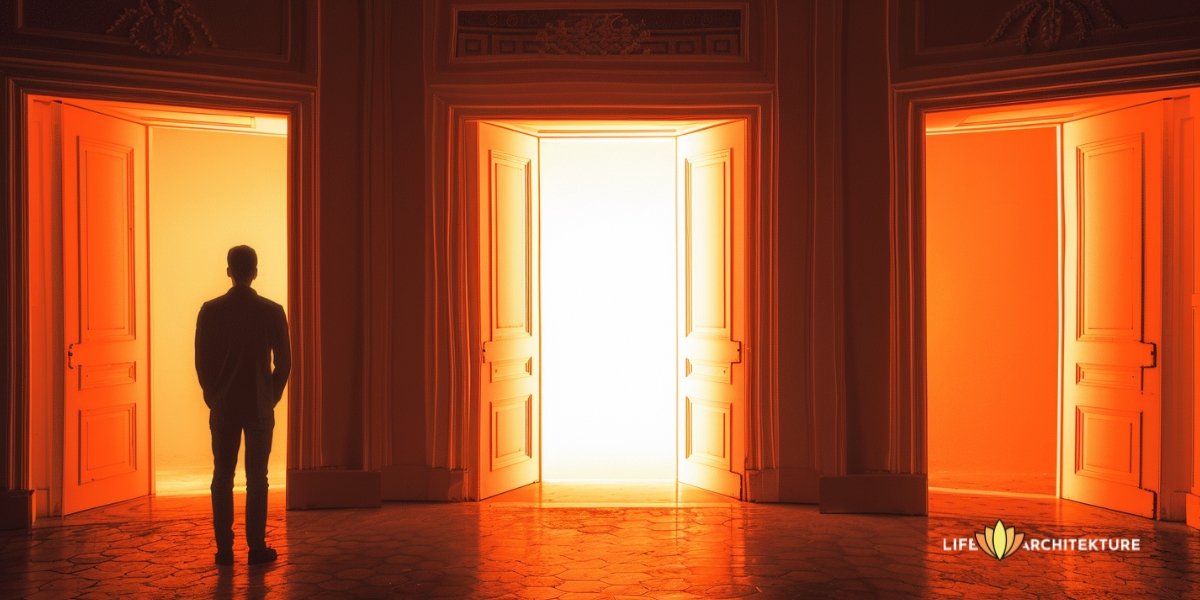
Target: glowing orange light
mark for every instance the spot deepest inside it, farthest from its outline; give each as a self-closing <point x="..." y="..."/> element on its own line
<point x="992" y="305"/>
<point x="210" y="190"/>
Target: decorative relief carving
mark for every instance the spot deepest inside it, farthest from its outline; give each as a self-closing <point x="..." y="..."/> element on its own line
<point x="163" y="27"/>
<point x="616" y="32"/>
<point x="605" y="33"/>
<point x="1050" y="16"/>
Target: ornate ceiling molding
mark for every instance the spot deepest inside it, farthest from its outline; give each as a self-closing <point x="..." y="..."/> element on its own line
<point x="163" y="27"/>
<point x="595" y="34"/>
<point x="496" y="35"/>
<point x="1051" y="18"/>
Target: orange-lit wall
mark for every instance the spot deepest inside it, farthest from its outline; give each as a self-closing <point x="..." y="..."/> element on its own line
<point x="992" y="260"/>
<point x="208" y="191"/>
<point x="608" y="309"/>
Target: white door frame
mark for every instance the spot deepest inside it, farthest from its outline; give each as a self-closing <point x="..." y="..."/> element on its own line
<point x="451" y="334"/>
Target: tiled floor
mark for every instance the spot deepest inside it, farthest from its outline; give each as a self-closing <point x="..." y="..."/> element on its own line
<point x="556" y="542"/>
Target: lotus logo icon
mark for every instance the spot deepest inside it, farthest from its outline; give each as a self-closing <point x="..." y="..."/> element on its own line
<point x="998" y="542"/>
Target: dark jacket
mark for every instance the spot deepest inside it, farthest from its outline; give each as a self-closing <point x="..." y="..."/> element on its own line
<point x="237" y="335"/>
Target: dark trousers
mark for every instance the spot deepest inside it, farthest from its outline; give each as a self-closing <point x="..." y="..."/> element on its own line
<point x="226" y="438"/>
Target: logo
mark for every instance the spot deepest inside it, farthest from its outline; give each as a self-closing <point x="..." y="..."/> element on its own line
<point x="1001" y="542"/>
<point x="998" y="542"/>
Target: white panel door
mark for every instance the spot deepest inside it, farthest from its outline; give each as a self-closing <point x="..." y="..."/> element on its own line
<point x="505" y="184"/>
<point x="106" y="426"/>
<point x="1112" y="308"/>
<point x="711" y="175"/>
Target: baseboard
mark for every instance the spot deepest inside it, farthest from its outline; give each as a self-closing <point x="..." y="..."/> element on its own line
<point x="447" y="485"/>
<point x="419" y="482"/>
<point x="405" y="482"/>
<point x="887" y="493"/>
<point x="333" y="488"/>
<point x="1193" y="511"/>
<point x="16" y="509"/>
<point x="785" y="484"/>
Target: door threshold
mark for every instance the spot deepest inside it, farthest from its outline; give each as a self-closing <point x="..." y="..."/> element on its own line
<point x="582" y="494"/>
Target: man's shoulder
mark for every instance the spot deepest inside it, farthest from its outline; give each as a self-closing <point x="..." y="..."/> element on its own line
<point x="240" y="302"/>
<point x="214" y="303"/>
<point x="268" y="303"/>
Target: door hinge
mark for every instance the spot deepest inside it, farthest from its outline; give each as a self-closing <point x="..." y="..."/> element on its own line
<point x="1153" y="355"/>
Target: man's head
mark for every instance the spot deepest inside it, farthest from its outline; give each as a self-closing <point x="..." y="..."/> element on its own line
<point x="243" y="264"/>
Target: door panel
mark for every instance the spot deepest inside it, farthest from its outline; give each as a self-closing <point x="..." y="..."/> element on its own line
<point x="106" y="402"/>
<point x="712" y="187"/>
<point x="1112" y="308"/>
<point x="504" y="180"/>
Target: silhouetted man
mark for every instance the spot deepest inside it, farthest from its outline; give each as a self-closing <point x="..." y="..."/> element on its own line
<point x="237" y="335"/>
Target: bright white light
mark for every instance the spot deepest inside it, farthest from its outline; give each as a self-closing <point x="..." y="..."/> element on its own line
<point x="608" y="309"/>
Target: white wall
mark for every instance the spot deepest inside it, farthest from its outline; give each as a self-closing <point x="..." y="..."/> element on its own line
<point x="608" y="309"/>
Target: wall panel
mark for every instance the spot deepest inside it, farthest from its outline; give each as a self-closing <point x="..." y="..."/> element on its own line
<point x="264" y="39"/>
<point x="935" y="38"/>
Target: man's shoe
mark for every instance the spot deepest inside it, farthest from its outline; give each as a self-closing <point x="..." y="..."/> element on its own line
<point x="224" y="557"/>
<point x="264" y="555"/>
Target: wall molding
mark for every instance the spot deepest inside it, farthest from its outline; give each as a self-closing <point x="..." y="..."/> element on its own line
<point x="932" y="40"/>
<point x="40" y="33"/>
<point x="522" y="39"/>
<point x="827" y="344"/>
<point x="609" y="33"/>
<point x="378" y="229"/>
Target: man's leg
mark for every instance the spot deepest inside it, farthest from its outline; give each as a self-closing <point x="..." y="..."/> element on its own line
<point x="258" y="450"/>
<point x="226" y="439"/>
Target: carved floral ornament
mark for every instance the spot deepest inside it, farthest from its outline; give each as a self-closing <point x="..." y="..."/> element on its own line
<point x="163" y="27"/>
<point x="1050" y="17"/>
<point x="594" y="34"/>
<point x="608" y="33"/>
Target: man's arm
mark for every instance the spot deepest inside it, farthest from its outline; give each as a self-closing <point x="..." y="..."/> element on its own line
<point x="281" y="351"/>
<point x="203" y="354"/>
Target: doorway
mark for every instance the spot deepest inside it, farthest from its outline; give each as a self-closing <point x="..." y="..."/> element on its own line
<point x="1049" y="276"/>
<point x="705" y="181"/>
<point x="200" y="181"/>
<point x="608" y="247"/>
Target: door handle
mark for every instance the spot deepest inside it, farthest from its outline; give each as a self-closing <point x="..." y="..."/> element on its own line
<point x="70" y="355"/>
<point x="1153" y="355"/>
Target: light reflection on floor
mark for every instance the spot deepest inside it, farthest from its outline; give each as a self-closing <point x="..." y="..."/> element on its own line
<point x="193" y="481"/>
<point x="571" y="544"/>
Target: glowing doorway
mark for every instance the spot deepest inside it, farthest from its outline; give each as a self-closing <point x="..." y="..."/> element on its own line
<point x="1046" y="294"/>
<point x="198" y="181"/>
<point x="504" y="177"/>
<point x="215" y="189"/>
<point x="608" y="248"/>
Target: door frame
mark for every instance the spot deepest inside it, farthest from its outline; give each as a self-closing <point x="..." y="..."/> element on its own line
<point x="452" y="339"/>
<point x="302" y="230"/>
<point x="908" y="442"/>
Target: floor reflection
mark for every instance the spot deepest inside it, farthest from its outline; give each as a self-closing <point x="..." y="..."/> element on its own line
<point x="553" y="542"/>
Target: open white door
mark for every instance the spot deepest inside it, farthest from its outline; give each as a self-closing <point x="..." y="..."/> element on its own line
<point x="711" y="175"/>
<point x="1112" y="308"/>
<point x="106" y="429"/>
<point x="504" y="180"/>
